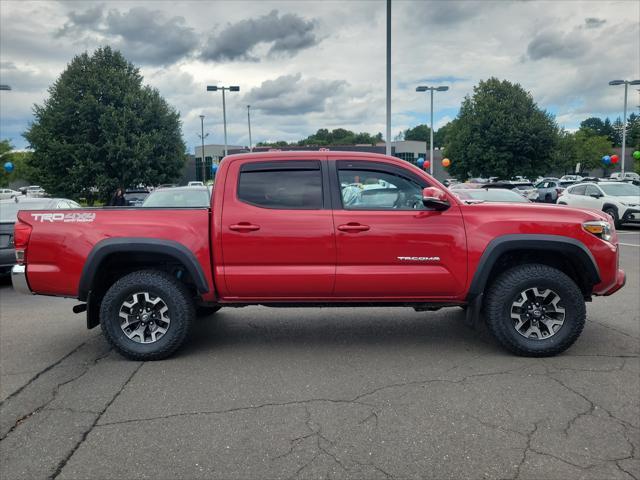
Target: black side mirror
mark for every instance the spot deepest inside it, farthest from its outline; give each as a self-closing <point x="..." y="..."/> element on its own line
<point x="434" y="199"/>
<point x="596" y="195"/>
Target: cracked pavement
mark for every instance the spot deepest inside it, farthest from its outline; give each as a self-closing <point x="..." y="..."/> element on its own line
<point x="320" y="393"/>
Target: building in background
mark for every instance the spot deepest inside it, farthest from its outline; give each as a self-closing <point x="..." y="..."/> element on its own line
<point x="212" y="153"/>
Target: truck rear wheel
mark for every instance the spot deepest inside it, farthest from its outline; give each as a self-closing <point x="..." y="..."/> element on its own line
<point x="535" y="310"/>
<point x="147" y="315"/>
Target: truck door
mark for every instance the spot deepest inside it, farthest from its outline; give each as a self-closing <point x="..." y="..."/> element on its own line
<point x="388" y="244"/>
<point x="277" y="236"/>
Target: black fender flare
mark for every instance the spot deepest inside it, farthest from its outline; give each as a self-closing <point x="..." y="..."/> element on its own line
<point x="109" y="246"/>
<point x="570" y="247"/>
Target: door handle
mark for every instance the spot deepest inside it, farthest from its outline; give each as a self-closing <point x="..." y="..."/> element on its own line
<point x="244" y="227"/>
<point x="353" y="227"/>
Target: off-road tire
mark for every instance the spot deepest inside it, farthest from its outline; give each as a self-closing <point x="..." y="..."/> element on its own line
<point x="506" y="289"/>
<point x="614" y="214"/>
<point x="173" y="293"/>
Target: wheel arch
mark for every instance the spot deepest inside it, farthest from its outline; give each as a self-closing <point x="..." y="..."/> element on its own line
<point x="568" y="254"/>
<point x="104" y="249"/>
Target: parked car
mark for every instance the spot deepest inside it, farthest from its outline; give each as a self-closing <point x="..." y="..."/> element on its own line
<point x="549" y="190"/>
<point x="195" y="184"/>
<point x="33" y="191"/>
<point x="618" y="199"/>
<point x="179" y="197"/>
<point x="8" y="193"/>
<point x="571" y="178"/>
<point x="626" y="176"/>
<point x="525" y="189"/>
<point x="281" y="232"/>
<point x="135" y="197"/>
<point x="8" y="214"/>
<point x="490" y="195"/>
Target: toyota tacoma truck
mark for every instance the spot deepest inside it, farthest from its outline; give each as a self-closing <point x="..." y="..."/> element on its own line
<point x="322" y="229"/>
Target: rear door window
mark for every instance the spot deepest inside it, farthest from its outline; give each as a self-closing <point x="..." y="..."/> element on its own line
<point x="579" y="190"/>
<point x="287" y="185"/>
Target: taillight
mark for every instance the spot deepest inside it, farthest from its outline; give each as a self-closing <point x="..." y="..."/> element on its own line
<point x="21" y="234"/>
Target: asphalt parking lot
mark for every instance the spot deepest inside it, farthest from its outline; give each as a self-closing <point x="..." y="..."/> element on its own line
<point x="264" y="393"/>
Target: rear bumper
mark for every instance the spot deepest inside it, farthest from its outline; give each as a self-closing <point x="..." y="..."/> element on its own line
<point x="19" y="279"/>
<point x="621" y="279"/>
<point x="7" y="257"/>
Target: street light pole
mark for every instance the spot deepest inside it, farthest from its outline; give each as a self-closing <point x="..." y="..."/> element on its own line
<point x="626" y="84"/>
<point x="202" y="137"/>
<point x="388" y="142"/>
<point x="249" y="122"/>
<point x="431" y="90"/>
<point x="213" y="88"/>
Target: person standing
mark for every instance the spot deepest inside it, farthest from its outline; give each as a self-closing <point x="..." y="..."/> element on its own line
<point x="118" y="199"/>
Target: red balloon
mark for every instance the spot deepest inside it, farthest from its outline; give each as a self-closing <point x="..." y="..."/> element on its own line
<point x="614" y="158"/>
<point x="426" y="165"/>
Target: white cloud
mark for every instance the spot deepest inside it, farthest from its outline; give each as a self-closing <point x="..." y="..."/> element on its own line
<point x="563" y="52"/>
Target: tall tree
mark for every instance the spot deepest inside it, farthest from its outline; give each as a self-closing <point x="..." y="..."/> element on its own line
<point x="594" y="124"/>
<point x="101" y="127"/>
<point x="590" y="149"/>
<point x="618" y="127"/>
<point x="500" y="131"/>
<point x="565" y="153"/>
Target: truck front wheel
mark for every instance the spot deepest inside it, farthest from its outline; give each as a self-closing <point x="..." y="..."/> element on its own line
<point x="535" y="310"/>
<point x="147" y="315"/>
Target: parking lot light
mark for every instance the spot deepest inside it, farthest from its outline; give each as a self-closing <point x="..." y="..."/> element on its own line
<point x="626" y="84"/>
<point x="423" y="88"/>
<point x="214" y="88"/>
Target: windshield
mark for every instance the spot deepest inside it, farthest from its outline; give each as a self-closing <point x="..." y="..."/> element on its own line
<point x="492" y="195"/>
<point x="178" y="198"/>
<point x="621" y="190"/>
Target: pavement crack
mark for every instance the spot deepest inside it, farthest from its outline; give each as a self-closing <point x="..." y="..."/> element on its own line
<point x="54" y="393"/>
<point x="42" y="372"/>
<point x="64" y="461"/>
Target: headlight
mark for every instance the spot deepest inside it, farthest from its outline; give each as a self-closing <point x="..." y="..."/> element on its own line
<point x="599" y="228"/>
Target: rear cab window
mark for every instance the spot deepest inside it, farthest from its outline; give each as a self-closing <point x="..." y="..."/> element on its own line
<point x="283" y="185"/>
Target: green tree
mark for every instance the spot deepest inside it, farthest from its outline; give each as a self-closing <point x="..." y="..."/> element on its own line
<point x="100" y="127"/>
<point x="633" y="131"/>
<point x="418" y="133"/>
<point x="617" y="126"/>
<point x="500" y="131"/>
<point x="21" y="168"/>
<point x="565" y="153"/>
<point x="590" y="149"/>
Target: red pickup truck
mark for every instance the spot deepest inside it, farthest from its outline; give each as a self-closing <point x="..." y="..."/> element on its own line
<point x="322" y="228"/>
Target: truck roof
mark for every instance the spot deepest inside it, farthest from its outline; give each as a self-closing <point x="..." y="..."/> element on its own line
<point x="298" y="154"/>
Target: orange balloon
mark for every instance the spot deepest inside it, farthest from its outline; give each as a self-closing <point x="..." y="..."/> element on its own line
<point x="446" y="162"/>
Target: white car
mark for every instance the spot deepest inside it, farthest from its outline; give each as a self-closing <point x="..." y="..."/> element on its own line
<point x="620" y="200"/>
<point x="626" y="176"/>
<point x="34" y="191"/>
<point x="8" y="193"/>
<point x="571" y="178"/>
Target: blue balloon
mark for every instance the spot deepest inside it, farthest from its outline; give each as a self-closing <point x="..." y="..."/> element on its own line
<point x="214" y="168"/>
<point x="8" y="167"/>
<point x="420" y="162"/>
<point x="606" y="159"/>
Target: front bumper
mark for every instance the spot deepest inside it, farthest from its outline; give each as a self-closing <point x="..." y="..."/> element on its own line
<point x="631" y="215"/>
<point x="621" y="279"/>
<point x="19" y="279"/>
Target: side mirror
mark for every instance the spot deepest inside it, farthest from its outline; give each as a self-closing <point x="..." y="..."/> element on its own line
<point x="596" y="195"/>
<point x="434" y="199"/>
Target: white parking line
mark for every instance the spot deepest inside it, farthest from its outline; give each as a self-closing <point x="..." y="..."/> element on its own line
<point x="629" y="244"/>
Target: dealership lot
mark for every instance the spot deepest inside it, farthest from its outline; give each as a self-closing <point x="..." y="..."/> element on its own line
<point x="321" y="393"/>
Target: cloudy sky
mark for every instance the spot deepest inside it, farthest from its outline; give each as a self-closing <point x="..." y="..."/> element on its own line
<point x="304" y="65"/>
